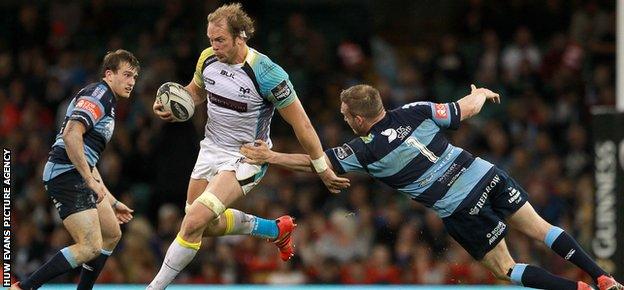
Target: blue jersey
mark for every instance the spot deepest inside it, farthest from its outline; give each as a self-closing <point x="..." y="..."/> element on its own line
<point x="407" y="151"/>
<point x="94" y="107"/>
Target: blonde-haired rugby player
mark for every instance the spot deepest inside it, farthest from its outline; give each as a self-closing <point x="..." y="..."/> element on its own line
<point x="243" y="88"/>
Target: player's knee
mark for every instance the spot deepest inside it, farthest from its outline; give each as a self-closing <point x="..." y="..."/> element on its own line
<point x="194" y="222"/>
<point x="110" y="239"/>
<point x="88" y="251"/>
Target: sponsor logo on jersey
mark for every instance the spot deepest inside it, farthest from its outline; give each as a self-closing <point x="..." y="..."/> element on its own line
<point x="440" y="111"/>
<point x="227" y="103"/>
<point x="210" y="81"/>
<point x="514" y="195"/>
<point x="570" y="253"/>
<point x="390" y="133"/>
<point x="227" y="74"/>
<point x="91" y="107"/>
<point x="99" y="91"/>
<point x="281" y="91"/>
<point x="488" y="188"/>
<point x="368" y="138"/>
<point x="399" y="133"/>
<point x="108" y="130"/>
<point x="343" y="151"/>
<point x="496" y="232"/>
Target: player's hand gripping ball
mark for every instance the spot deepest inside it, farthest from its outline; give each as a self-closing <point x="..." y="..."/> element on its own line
<point x="177" y="100"/>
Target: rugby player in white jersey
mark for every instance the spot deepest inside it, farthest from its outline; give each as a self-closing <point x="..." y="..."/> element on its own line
<point x="243" y="88"/>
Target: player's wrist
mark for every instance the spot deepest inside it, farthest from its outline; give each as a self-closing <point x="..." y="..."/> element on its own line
<point x="319" y="164"/>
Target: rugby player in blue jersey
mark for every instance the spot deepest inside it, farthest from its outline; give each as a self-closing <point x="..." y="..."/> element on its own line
<point x="477" y="201"/>
<point x="90" y="213"/>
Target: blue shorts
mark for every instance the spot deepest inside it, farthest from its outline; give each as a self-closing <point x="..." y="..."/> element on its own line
<point x="70" y="194"/>
<point x="480" y="225"/>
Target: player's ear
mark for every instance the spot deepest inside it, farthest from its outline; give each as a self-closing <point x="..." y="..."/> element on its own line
<point x="359" y="119"/>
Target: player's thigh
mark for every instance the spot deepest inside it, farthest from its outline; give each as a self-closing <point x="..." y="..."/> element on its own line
<point x="195" y="189"/>
<point x="222" y="191"/>
<point x="527" y="221"/>
<point x="499" y="261"/>
<point x="108" y="221"/>
<point x="84" y="227"/>
<point x="225" y="187"/>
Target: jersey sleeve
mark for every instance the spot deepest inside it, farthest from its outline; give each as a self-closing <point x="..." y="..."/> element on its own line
<point x="445" y="115"/>
<point x="88" y="111"/>
<point x="199" y="67"/>
<point x="344" y="158"/>
<point x="275" y="85"/>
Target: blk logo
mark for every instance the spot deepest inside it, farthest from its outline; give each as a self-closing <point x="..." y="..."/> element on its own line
<point x="227" y="74"/>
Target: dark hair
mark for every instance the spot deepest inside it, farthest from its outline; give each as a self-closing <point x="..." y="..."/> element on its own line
<point x="114" y="59"/>
<point x="362" y="100"/>
<point x="239" y="23"/>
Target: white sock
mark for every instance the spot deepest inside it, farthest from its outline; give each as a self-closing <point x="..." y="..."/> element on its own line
<point x="238" y="222"/>
<point x="179" y="254"/>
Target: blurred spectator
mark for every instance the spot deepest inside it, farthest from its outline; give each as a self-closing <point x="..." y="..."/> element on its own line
<point x="550" y="68"/>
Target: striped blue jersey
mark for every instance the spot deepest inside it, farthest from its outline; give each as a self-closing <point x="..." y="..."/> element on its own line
<point x="407" y="151"/>
<point x="94" y="107"/>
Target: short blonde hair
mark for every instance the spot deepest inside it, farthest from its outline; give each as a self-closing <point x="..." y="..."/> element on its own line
<point x="239" y="23"/>
<point x="362" y="100"/>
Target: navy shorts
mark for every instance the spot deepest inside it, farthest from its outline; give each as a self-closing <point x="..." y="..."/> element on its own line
<point x="479" y="225"/>
<point x="70" y="193"/>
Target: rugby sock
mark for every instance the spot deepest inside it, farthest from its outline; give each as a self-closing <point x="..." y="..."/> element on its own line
<point x="566" y="247"/>
<point x="535" y="277"/>
<point x="91" y="270"/>
<point x="179" y="254"/>
<point x="240" y="223"/>
<point x="60" y="263"/>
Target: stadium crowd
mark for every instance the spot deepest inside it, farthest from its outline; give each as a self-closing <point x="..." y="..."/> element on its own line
<point x="550" y="60"/>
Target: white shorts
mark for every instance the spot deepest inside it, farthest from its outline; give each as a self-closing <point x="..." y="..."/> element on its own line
<point x="212" y="159"/>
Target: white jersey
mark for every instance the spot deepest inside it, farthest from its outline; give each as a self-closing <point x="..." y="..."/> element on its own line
<point x="241" y="97"/>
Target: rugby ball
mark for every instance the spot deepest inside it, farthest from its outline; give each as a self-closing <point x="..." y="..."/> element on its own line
<point x="177" y="100"/>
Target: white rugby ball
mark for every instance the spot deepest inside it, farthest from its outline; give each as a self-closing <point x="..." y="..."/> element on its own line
<point x="177" y="100"/>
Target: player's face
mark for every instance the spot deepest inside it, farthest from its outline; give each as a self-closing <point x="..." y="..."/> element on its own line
<point x="355" y="122"/>
<point x="224" y="45"/>
<point x="122" y="81"/>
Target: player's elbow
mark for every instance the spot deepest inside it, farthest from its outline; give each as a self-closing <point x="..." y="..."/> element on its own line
<point x="69" y="135"/>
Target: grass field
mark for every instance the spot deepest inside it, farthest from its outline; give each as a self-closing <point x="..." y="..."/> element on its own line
<point x="280" y="287"/>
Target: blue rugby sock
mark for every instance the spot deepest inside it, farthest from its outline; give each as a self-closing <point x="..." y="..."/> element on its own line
<point x="60" y="263"/>
<point x="264" y="228"/>
<point x="535" y="277"/>
<point x="566" y="247"/>
<point x="91" y="270"/>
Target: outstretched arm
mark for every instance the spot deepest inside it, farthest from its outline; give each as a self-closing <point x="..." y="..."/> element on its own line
<point x="471" y="104"/>
<point x="296" y="116"/>
<point x="259" y="153"/>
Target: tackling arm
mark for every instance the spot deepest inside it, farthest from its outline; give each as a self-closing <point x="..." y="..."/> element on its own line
<point x="471" y="104"/>
<point x="259" y="153"/>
